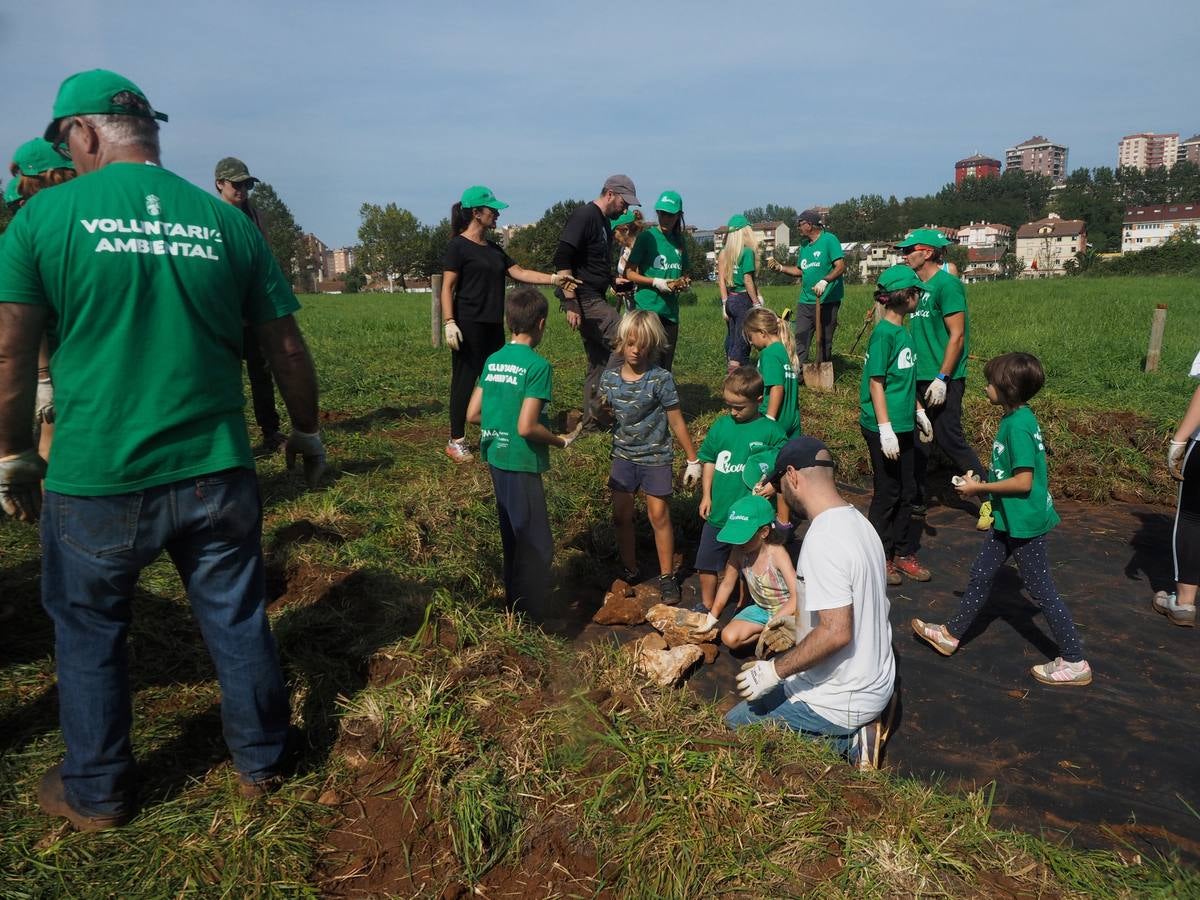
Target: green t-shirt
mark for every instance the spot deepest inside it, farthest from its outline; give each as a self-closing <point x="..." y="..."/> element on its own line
<point x="146" y="280"/>
<point x="890" y="356"/>
<point x="728" y="445"/>
<point x="658" y="255"/>
<point x="1018" y="445"/>
<point x="816" y="260"/>
<point x="746" y="265"/>
<point x="943" y="296"/>
<point x="511" y="374"/>
<point x="776" y="367"/>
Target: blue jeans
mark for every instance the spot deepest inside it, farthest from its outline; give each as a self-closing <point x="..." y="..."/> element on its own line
<point x="774" y="706"/>
<point x="737" y="348"/>
<point x="526" y="539"/>
<point x="93" y="549"/>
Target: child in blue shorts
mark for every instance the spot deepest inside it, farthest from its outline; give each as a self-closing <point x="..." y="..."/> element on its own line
<point x="645" y="409"/>
<point x="768" y="570"/>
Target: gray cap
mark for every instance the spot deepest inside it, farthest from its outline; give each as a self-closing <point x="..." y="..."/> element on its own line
<point x="233" y="169"/>
<point x="623" y="186"/>
<point x="811" y="216"/>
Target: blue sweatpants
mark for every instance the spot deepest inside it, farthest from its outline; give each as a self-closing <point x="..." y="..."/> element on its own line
<point x="525" y="535"/>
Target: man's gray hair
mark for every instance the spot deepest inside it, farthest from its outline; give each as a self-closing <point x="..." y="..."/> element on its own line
<point x="126" y="131"/>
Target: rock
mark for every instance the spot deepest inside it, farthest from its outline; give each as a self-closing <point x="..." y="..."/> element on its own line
<point x="623" y="605"/>
<point x="710" y="652"/>
<point x="667" y="667"/>
<point x="653" y="642"/>
<point x="330" y="798"/>
<point x="678" y="625"/>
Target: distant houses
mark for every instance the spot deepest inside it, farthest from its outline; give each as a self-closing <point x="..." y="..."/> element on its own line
<point x="1045" y="246"/>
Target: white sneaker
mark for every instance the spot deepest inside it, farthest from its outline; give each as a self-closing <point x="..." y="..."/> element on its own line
<point x="459" y="451"/>
<point x="1167" y="604"/>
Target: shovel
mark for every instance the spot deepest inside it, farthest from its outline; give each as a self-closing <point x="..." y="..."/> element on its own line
<point x="819" y="375"/>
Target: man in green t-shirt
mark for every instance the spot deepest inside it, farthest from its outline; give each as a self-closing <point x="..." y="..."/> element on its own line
<point x="144" y="281"/>
<point x="819" y="266"/>
<point x="941" y="336"/>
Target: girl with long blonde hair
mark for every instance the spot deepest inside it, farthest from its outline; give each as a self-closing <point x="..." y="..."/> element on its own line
<point x="736" y="267"/>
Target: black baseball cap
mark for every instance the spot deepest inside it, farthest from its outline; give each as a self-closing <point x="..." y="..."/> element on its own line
<point x="800" y="453"/>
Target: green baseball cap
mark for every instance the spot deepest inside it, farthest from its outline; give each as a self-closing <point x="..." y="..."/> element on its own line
<point x="928" y="237"/>
<point x="737" y="222"/>
<point x="233" y="169"/>
<point x="478" y="195"/>
<point x="12" y="191"/>
<point x="746" y="516"/>
<point x="759" y="466"/>
<point x="99" y="92"/>
<point x="669" y="202"/>
<point x="626" y="218"/>
<point x="898" y="278"/>
<point x="38" y="156"/>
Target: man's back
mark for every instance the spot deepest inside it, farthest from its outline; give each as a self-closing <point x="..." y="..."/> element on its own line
<point x="147" y="280"/>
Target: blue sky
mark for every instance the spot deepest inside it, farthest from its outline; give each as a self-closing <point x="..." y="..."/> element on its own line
<point x="733" y="104"/>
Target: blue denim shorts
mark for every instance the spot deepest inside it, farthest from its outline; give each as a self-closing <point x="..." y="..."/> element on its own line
<point x="711" y="555"/>
<point x="628" y="477"/>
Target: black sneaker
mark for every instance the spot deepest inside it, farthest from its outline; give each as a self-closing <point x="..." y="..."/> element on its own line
<point x="919" y="510"/>
<point x="669" y="588"/>
<point x="631" y="576"/>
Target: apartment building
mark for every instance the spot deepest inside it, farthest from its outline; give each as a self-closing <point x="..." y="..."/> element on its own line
<point x="979" y="235"/>
<point x="1044" y="246"/>
<point x="1039" y="156"/>
<point x="339" y="262"/>
<point x="1189" y="150"/>
<point x="1152" y="226"/>
<point x="977" y="166"/>
<point x="1147" y="150"/>
<point x="770" y="235"/>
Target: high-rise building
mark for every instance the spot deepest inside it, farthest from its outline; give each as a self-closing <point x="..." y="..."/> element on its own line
<point x="1038" y="156"/>
<point x="1189" y="150"/>
<point x="977" y="166"/>
<point x="1147" y="150"/>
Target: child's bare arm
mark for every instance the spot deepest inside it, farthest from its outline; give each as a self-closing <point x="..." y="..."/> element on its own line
<point x="475" y="407"/>
<point x="774" y="402"/>
<point x="729" y="580"/>
<point x="706" y="481"/>
<point x="530" y="427"/>
<point x="679" y="429"/>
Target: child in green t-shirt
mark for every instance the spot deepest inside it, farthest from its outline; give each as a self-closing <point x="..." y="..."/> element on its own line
<point x="1024" y="514"/>
<point x="770" y="335"/>
<point x="731" y="441"/>
<point x="889" y="415"/>
<point x="509" y="406"/>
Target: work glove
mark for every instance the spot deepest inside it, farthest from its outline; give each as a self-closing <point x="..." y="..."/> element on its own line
<point x="888" y="442"/>
<point x="662" y="285"/>
<point x="1175" y="459"/>
<point x="557" y="279"/>
<point x="691" y="475"/>
<point x="44" y="405"/>
<point x="778" y="635"/>
<point x="308" y="446"/>
<point x="757" y="680"/>
<point x="569" y="438"/>
<point x="819" y="287"/>
<point x="924" y="427"/>
<point x="21" y="485"/>
<point x="453" y="334"/>
<point x="709" y="623"/>
<point x="935" y="394"/>
<point x="774" y="264"/>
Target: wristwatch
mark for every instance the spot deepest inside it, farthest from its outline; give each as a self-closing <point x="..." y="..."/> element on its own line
<point x="941" y="376"/>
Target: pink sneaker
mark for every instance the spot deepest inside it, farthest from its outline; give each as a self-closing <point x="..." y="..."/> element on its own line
<point x="936" y="636"/>
<point x="1062" y="673"/>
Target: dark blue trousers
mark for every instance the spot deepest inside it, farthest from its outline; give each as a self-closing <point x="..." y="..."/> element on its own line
<point x="525" y="535"/>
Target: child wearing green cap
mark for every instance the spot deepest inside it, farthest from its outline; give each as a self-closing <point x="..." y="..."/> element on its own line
<point x="658" y="265"/>
<point x="889" y="414"/>
<point x="736" y="280"/>
<point x="625" y="229"/>
<point x="768" y="570"/>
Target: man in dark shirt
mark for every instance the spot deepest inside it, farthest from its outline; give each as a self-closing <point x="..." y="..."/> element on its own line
<point x="584" y="251"/>
<point x="234" y="182"/>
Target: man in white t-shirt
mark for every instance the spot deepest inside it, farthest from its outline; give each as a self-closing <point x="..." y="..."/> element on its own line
<point x="837" y="681"/>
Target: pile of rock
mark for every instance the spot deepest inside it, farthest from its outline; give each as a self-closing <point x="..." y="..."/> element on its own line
<point x="668" y="657"/>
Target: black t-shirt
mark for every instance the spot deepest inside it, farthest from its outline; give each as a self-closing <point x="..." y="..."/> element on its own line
<point x="479" y="292"/>
<point x="584" y="248"/>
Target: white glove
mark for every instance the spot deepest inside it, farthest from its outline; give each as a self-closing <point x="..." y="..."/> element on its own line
<point x="21" y="485"/>
<point x="710" y="622"/>
<point x="924" y="427"/>
<point x="569" y="438"/>
<point x="757" y="680"/>
<point x="660" y="285"/>
<point x="557" y="279"/>
<point x="819" y="287"/>
<point x="691" y="475"/>
<point x="44" y="405"/>
<point x="453" y="334"/>
<point x="935" y="394"/>
<point x="888" y="442"/>
<point x="1175" y="458"/>
<point x="308" y="446"/>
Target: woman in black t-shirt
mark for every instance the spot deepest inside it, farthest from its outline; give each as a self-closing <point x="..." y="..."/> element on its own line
<point x="473" y="301"/>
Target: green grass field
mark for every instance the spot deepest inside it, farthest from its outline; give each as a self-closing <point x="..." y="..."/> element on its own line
<point x="486" y="740"/>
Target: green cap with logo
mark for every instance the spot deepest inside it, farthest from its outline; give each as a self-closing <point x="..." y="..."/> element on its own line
<point x="12" y="192"/>
<point x="926" y="237"/>
<point x="737" y="222"/>
<point x="625" y="218"/>
<point x="38" y="156"/>
<point x="233" y="169"/>
<point x="746" y="516"/>
<point x="478" y="195"/>
<point x="669" y="202"/>
<point x="99" y="92"/>
<point x="898" y="278"/>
